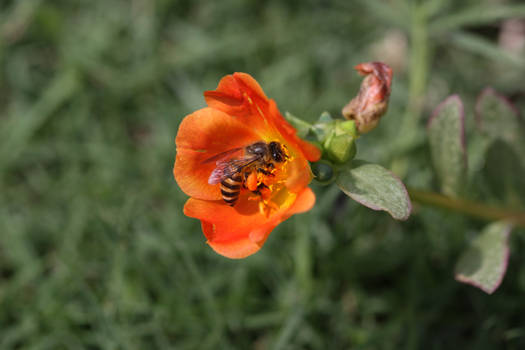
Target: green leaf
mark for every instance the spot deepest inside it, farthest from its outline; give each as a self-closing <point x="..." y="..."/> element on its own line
<point x="484" y="263"/>
<point x="504" y="174"/>
<point x="497" y="118"/>
<point x="376" y="188"/>
<point x="477" y="148"/>
<point x="496" y="148"/>
<point x="447" y="145"/>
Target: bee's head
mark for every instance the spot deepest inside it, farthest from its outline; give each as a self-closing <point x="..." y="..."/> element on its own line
<point x="277" y="152"/>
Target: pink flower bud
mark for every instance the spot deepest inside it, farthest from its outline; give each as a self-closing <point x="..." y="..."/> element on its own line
<point x="372" y="101"/>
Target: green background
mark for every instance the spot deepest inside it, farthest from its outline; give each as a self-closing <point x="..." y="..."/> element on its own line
<point x="95" y="252"/>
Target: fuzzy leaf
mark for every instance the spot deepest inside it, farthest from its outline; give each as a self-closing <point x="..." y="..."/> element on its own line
<point x="447" y="143"/>
<point x="497" y="118"/>
<point x="484" y="263"/>
<point x="376" y="188"/>
<point x="504" y="174"/>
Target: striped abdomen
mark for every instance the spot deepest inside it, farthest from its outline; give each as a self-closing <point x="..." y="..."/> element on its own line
<point x="230" y="188"/>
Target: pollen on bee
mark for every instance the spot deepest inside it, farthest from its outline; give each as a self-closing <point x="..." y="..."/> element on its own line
<point x="264" y="181"/>
<point x="252" y="181"/>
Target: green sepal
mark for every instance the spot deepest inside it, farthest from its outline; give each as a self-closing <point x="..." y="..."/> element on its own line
<point x="303" y="128"/>
<point x="348" y="126"/>
<point x="325" y="117"/>
<point x="323" y="127"/>
<point x="323" y="172"/>
<point x="336" y="137"/>
<point x="340" y="143"/>
<point x="340" y="148"/>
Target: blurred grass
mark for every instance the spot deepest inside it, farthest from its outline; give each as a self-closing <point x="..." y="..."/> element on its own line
<point x="94" y="250"/>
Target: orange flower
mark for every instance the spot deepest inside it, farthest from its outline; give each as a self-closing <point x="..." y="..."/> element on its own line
<point x="272" y="189"/>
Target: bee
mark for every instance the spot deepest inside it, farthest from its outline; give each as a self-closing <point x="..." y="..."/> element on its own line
<point x="231" y="168"/>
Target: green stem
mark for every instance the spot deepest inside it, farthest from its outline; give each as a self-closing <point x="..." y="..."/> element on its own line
<point x="468" y="207"/>
<point x="419" y="56"/>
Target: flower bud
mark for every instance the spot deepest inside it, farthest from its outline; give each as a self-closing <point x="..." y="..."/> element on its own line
<point x="340" y="143"/>
<point x="340" y="148"/>
<point x="323" y="172"/>
<point x="372" y="101"/>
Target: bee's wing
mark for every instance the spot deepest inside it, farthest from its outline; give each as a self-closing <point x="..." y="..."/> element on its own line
<point x="227" y="168"/>
<point x="223" y="155"/>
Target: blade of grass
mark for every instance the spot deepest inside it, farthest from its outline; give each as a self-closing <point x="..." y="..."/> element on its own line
<point x="15" y="22"/>
<point x="393" y="15"/>
<point x="214" y="314"/>
<point x="487" y="49"/>
<point x="21" y="126"/>
<point x="290" y="327"/>
<point x="419" y="62"/>
<point x="477" y="15"/>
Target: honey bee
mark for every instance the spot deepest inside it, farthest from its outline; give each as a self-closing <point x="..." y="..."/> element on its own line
<point x="234" y="166"/>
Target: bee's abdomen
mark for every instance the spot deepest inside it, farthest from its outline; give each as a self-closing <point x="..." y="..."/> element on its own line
<point x="230" y="189"/>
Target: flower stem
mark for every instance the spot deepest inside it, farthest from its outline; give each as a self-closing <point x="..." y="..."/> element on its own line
<point x="419" y="63"/>
<point x="464" y="206"/>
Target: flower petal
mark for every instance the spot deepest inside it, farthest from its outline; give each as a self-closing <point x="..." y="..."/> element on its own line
<point x="236" y="249"/>
<point x="237" y="94"/>
<point x="241" y="96"/>
<point x="232" y="231"/>
<point x="237" y="232"/>
<point x="203" y="134"/>
<point x="298" y="174"/>
<point x="310" y="151"/>
<point x="304" y="202"/>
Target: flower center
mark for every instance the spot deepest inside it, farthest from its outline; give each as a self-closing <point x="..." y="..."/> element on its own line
<point x="266" y="182"/>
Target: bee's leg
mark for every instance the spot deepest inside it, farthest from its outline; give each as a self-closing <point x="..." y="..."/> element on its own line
<point x="271" y="166"/>
<point x="264" y="171"/>
<point x="262" y="185"/>
<point x="245" y="176"/>
<point x="285" y="153"/>
<point x="258" y="190"/>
